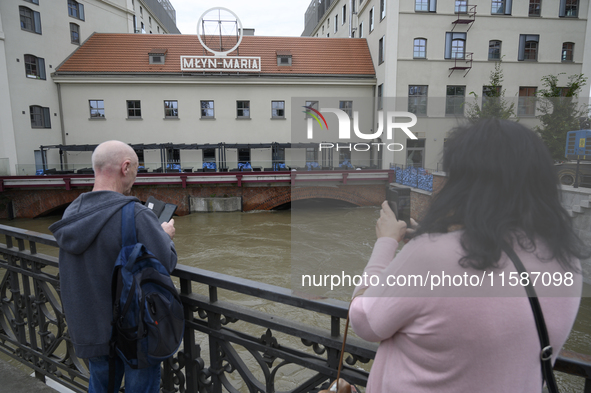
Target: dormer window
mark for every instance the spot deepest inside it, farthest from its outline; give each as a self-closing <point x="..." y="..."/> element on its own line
<point x="157" y="56"/>
<point x="283" y="58"/>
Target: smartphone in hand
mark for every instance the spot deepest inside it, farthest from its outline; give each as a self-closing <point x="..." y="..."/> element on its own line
<point x="164" y="211"/>
<point x="399" y="201"/>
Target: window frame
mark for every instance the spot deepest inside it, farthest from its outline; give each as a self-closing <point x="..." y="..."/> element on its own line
<point x="535" y="5"/>
<point x="415" y="46"/>
<point x="32" y="61"/>
<point x="336" y="23"/>
<point x="382" y="9"/>
<point x="207" y="109"/>
<point x="526" y="104"/>
<point x="461" y="6"/>
<point x="504" y="7"/>
<point x="381" y="50"/>
<point x="425" y="5"/>
<point x="344" y="10"/>
<point x="526" y="47"/>
<point x="136" y="109"/>
<point x="75" y="10"/>
<point x="311" y="104"/>
<point x="243" y="109"/>
<point x="40" y="116"/>
<point x="450" y="38"/>
<point x="500" y="46"/>
<point x="72" y="40"/>
<point x="565" y="51"/>
<point x="371" y="20"/>
<point x="567" y="7"/>
<point x="98" y="109"/>
<point x="275" y="110"/>
<point x="452" y="108"/>
<point x="32" y="21"/>
<point x="420" y="99"/>
<point x="380" y="95"/>
<point x="173" y="111"/>
<point x="347" y="107"/>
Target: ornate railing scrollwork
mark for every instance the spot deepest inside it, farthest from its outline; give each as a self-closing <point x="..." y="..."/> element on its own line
<point x="226" y="345"/>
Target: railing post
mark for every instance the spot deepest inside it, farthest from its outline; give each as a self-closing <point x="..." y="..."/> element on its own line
<point x="215" y="351"/>
<point x="190" y="357"/>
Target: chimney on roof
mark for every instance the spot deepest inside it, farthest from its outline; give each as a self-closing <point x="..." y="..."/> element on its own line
<point x="246" y="31"/>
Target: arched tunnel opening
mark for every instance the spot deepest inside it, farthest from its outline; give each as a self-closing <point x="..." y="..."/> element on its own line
<point x="315" y="203"/>
<point x="56" y="211"/>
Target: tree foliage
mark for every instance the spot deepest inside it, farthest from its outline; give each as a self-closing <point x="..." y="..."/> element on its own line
<point x="560" y="111"/>
<point x="494" y="104"/>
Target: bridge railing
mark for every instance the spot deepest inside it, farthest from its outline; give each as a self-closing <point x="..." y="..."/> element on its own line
<point x="240" y="335"/>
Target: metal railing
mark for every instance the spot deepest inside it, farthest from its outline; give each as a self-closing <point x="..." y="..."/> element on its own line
<point x="34" y="331"/>
<point x="412" y="176"/>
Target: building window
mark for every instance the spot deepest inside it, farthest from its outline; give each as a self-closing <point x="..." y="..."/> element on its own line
<point x="278" y="109"/>
<point x="371" y="25"/>
<point x="75" y="9"/>
<point x="171" y="109"/>
<point x="455" y="45"/>
<point x="336" y="23"/>
<point x="311" y="154"/>
<point x="33" y="1"/>
<point x="502" y="7"/>
<point x="426" y="5"/>
<point x="454" y="100"/>
<point x="461" y="7"/>
<point x="141" y="12"/>
<point x="494" y="50"/>
<point x="568" y="50"/>
<point x="347" y="107"/>
<point x="30" y="20"/>
<point x="310" y="104"/>
<point x="243" y="109"/>
<point x="34" y="67"/>
<point x="527" y="101"/>
<point x="382" y="9"/>
<point x="344" y="14"/>
<point x="134" y="109"/>
<point x="74" y="33"/>
<point x="39" y="117"/>
<point x="381" y="50"/>
<point x="150" y="21"/>
<point x="415" y="153"/>
<point x="143" y="28"/>
<point x="417" y="99"/>
<point x="380" y="94"/>
<point x="569" y="8"/>
<point x="158" y="29"/>
<point x="207" y="110"/>
<point x="353" y="6"/>
<point x="535" y="7"/>
<point x="97" y="109"/>
<point x="490" y="95"/>
<point x="361" y="30"/>
<point x="528" y="47"/>
<point x="420" y="48"/>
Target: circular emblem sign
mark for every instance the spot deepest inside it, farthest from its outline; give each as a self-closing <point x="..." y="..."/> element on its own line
<point x="219" y="31"/>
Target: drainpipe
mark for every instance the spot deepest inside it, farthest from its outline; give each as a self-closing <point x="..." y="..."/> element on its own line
<point x="63" y="129"/>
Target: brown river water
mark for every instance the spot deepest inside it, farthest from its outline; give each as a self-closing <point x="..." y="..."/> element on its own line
<point x="262" y="246"/>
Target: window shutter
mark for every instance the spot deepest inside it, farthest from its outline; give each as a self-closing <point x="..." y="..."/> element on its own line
<point x="432" y="5"/>
<point x="41" y="65"/>
<point x="562" y="10"/>
<point x="46" y="118"/>
<point x="37" y="18"/>
<point x="521" y="54"/>
<point x="81" y="11"/>
<point x="508" y="6"/>
<point x="448" y="39"/>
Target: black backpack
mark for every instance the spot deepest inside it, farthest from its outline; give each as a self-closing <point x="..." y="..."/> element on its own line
<point x="148" y="322"/>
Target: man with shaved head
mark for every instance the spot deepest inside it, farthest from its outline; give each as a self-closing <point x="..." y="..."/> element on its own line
<point x="89" y="236"/>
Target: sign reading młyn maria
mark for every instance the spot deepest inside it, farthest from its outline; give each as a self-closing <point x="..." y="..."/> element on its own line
<point x="220" y="32"/>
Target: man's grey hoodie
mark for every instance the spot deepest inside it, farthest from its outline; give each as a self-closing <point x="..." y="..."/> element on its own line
<point x="89" y="236"/>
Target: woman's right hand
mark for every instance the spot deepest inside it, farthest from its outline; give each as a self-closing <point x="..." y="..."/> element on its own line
<point x="388" y="225"/>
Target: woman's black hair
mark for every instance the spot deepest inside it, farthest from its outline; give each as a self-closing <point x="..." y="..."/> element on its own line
<point x="501" y="185"/>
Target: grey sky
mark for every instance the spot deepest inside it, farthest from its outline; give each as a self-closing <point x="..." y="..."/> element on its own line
<point x="267" y="17"/>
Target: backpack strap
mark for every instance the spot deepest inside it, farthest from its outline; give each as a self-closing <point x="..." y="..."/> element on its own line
<point x="128" y="235"/>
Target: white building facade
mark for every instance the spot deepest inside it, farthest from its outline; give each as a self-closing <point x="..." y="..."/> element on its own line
<point x="35" y="37"/>
<point x="430" y="55"/>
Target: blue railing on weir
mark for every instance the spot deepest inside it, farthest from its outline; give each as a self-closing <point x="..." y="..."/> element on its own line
<point x="226" y="344"/>
<point x="420" y="178"/>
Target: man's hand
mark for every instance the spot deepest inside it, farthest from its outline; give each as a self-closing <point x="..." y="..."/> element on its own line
<point x="169" y="228"/>
<point x="388" y="225"/>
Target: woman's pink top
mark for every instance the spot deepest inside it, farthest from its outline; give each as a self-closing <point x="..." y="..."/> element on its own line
<point x="479" y="339"/>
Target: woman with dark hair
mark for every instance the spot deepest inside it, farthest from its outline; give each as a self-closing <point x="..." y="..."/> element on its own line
<point x="444" y="310"/>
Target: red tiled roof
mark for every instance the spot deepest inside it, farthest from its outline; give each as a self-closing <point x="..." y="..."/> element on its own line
<point x="128" y="53"/>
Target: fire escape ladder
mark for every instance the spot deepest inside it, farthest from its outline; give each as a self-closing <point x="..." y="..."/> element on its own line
<point x="462" y="64"/>
<point x="465" y="18"/>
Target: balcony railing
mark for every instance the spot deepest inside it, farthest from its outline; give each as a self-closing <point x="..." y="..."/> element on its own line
<point x="226" y="345"/>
